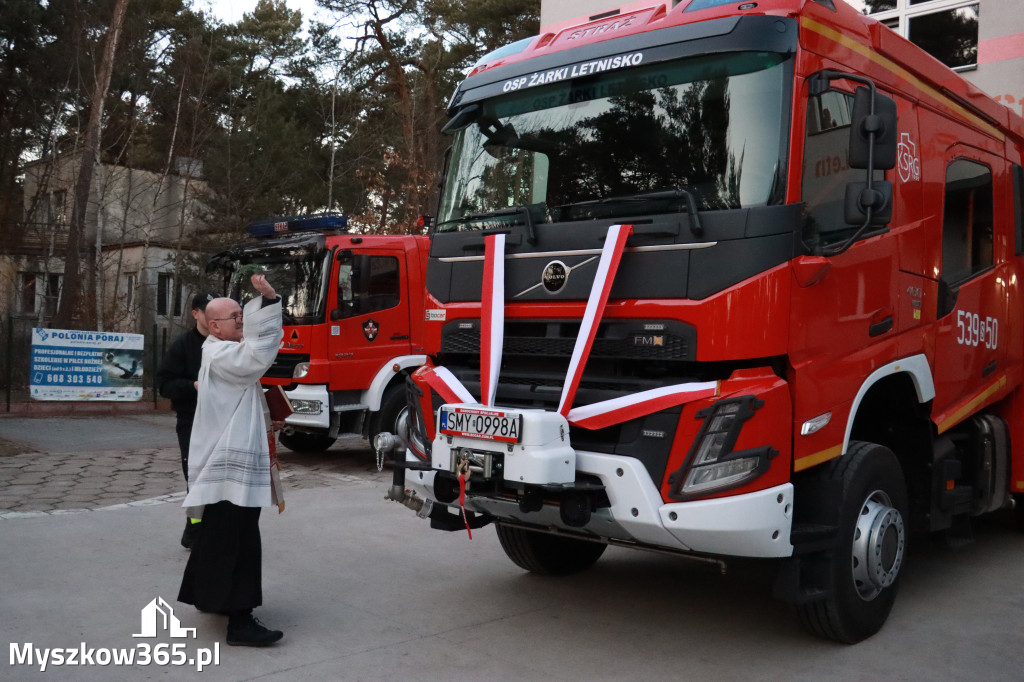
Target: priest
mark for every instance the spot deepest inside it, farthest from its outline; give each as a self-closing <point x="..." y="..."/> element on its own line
<point x="229" y="464"/>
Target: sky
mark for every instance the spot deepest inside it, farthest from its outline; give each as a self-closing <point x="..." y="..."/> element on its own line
<point x="230" y="11"/>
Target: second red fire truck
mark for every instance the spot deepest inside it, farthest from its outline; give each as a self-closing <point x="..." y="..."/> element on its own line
<point x="724" y="279"/>
<point x="353" y="320"/>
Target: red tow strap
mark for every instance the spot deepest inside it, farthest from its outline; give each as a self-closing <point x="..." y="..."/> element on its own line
<point x="462" y="503"/>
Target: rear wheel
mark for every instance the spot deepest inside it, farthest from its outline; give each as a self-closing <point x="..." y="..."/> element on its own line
<point x="299" y="441"/>
<point x="392" y="407"/>
<point x="863" y="566"/>
<point x="548" y="554"/>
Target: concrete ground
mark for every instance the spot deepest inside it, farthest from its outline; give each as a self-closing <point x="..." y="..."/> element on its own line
<point x="366" y="591"/>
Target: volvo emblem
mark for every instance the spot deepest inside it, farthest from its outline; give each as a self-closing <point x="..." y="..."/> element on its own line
<point x="555" y="276"/>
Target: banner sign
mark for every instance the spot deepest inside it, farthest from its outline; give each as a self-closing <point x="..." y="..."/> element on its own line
<point x="81" y="365"/>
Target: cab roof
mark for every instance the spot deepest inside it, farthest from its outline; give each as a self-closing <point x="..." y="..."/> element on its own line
<point x="835" y="15"/>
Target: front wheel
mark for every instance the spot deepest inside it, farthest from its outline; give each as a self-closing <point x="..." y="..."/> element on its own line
<point x="548" y="554"/>
<point x="392" y="407"/>
<point x="863" y="566"/>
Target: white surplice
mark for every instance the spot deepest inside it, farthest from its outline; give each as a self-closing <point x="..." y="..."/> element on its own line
<point x="229" y="454"/>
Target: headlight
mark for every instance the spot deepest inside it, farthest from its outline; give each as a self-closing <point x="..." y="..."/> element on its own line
<point x="301" y="370"/>
<point x="720" y="474"/>
<point x="307" y="406"/>
<point x="711" y="463"/>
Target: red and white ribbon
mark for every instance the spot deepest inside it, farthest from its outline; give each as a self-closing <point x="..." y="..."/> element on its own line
<point x="595" y="416"/>
<point x="444" y="383"/>
<point x="611" y="254"/>
<point x="492" y="316"/>
<point x="619" y="410"/>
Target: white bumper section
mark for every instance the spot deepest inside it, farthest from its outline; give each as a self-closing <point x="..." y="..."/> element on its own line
<point x="756" y="524"/>
<point x="312" y="393"/>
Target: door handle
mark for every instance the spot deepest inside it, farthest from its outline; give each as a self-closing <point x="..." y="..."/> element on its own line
<point x="399" y="337"/>
<point x="880" y="327"/>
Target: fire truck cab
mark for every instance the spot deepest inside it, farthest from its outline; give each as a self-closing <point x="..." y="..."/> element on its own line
<point x="724" y="279"/>
<point x="353" y="317"/>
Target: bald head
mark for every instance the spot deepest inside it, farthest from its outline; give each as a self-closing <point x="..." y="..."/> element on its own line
<point x="224" y="318"/>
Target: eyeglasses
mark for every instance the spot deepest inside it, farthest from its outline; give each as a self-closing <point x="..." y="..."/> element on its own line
<point x="236" y="317"/>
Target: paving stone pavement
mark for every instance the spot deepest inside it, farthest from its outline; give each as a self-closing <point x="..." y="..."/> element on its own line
<point x="61" y="465"/>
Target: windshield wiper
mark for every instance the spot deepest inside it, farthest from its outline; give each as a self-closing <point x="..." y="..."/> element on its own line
<point x="696" y="226"/>
<point x="520" y="210"/>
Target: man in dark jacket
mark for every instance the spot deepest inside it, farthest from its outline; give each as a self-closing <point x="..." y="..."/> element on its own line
<point x="177" y="379"/>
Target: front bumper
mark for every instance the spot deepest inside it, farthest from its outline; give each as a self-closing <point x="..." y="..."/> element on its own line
<point x="755" y="524"/>
<point x="310" y="395"/>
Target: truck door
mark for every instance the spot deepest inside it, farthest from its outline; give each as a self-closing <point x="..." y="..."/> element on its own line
<point x="371" y="324"/>
<point x="971" y="315"/>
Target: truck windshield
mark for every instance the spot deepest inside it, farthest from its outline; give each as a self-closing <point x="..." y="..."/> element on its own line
<point x="296" y="270"/>
<point x="629" y="142"/>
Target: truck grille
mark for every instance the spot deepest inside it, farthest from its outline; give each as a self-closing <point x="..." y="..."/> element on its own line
<point x="673" y="347"/>
<point x="284" y="365"/>
<point x="614" y="340"/>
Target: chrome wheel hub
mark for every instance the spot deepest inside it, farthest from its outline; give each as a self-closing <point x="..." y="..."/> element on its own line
<point x="879" y="541"/>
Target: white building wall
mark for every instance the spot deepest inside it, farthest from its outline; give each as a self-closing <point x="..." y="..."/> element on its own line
<point x="555" y="11"/>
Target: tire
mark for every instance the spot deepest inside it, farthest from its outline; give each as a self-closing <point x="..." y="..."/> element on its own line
<point x="863" y="566"/>
<point x="299" y="441"/>
<point x="548" y="554"/>
<point x="1018" y="511"/>
<point x="392" y="407"/>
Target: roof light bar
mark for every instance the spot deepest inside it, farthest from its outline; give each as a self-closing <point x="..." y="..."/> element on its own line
<point x="314" y="222"/>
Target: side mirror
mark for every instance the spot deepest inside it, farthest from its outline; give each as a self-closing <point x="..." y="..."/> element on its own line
<point x="882" y="123"/>
<point x="859" y="198"/>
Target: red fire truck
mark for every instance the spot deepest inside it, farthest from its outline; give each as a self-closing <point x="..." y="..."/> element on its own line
<point x="725" y="279"/>
<point x="353" y="320"/>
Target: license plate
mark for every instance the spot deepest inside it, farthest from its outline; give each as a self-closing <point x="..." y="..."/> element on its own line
<point x="482" y="423"/>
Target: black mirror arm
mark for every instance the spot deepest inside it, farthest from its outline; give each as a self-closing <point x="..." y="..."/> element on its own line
<point x="841" y="248"/>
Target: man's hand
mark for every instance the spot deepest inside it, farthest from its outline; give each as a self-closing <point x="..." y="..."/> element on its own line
<point x="260" y="283"/>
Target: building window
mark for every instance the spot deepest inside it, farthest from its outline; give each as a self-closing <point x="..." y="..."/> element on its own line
<point x="52" y="298"/>
<point x="950" y="36"/>
<point x="168" y="295"/>
<point x="967" y="221"/>
<point x="131" y="281"/>
<point x="50" y="209"/>
<point x="58" y="208"/>
<point x="27" y="292"/>
<point x="39" y="292"/>
<point x="946" y="29"/>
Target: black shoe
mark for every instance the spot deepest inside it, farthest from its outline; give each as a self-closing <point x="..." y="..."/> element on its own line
<point x="188" y="538"/>
<point x="247" y="631"/>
